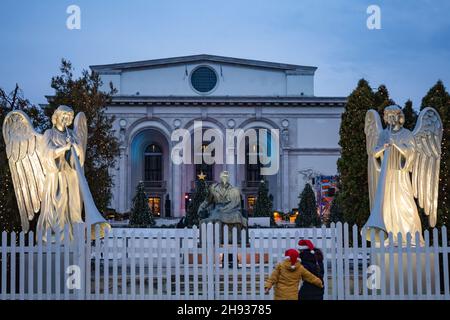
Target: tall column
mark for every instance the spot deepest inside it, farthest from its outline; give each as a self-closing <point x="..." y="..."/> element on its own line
<point x="122" y="180"/>
<point x="285" y="180"/>
<point x="176" y="190"/>
<point x="231" y="167"/>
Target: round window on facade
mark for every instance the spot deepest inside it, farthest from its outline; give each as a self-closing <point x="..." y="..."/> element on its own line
<point x="203" y="79"/>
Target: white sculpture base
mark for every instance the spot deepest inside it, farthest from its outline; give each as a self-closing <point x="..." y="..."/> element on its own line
<point x="420" y="273"/>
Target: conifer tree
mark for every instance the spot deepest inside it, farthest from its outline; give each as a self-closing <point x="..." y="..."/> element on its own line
<point x="382" y="100"/>
<point x="263" y="205"/>
<point x="352" y="165"/>
<point x="438" y="98"/>
<point x="141" y="215"/>
<point x="410" y="116"/>
<point x="84" y="94"/>
<point x="336" y="213"/>
<point x="200" y="194"/>
<point x="307" y="209"/>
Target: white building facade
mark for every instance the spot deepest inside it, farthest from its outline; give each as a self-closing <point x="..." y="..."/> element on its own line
<point x="156" y="97"/>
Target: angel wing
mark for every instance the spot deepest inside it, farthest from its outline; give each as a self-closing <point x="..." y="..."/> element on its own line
<point x="27" y="173"/>
<point x="81" y="133"/>
<point x="372" y="129"/>
<point x="425" y="171"/>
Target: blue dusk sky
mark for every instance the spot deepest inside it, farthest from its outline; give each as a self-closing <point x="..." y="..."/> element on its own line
<point x="409" y="54"/>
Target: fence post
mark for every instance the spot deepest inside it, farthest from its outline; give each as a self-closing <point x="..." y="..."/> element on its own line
<point x="427" y="264"/>
<point x="445" y="252"/>
<point x="244" y="261"/>
<point x="437" y="275"/>
<point x="22" y="266"/>
<point x="30" y="265"/>
<point x="339" y="261"/>
<point x="204" y="264"/>
<point x="217" y="254"/>
<point x="325" y="260"/>
<point x="235" y="262"/>
<point x="410" y="283"/>
<point x="346" y="262"/>
<point x="210" y="265"/>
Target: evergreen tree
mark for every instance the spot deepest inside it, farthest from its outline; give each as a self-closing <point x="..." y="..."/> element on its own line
<point x="352" y="165"/>
<point x="438" y="98"/>
<point x="410" y="115"/>
<point x="9" y="212"/>
<point x="382" y="100"/>
<point x="84" y="94"/>
<point x="263" y="205"/>
<point x="141" y="216"/>
<point x="336" y="213"/>
<point x="200" y="194"/>
<point x="307" y="209"/>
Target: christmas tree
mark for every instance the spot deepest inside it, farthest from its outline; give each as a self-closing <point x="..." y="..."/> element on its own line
<point x="336" y="213"/>
<point x="410" y="116"/>
<point x="307" y="209"/>
<point x="84" y="94"/>
<point x="352" y="165"/>
<point x="200" y="194"/>
<point x="141" y="216"/>
<point x="382" y="100"/>
<point x="263" y="205"/>
<point x="438" y="98"/>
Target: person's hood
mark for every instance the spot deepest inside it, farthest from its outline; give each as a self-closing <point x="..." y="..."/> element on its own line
<point x="287" y="265"/>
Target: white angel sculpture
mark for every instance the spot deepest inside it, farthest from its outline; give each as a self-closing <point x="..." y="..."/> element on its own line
<point x="402" y="165"/>
<point x="43" y="169"/>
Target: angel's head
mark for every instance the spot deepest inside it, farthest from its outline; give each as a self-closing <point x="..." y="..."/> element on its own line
<point x="393" y="116"/>
<point x="62" y="117"/>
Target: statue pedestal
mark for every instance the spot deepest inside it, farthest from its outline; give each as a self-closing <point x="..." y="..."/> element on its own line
<point x="414" y="267"/>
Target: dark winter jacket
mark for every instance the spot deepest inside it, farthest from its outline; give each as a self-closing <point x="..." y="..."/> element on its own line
<point x="314" y="264"/>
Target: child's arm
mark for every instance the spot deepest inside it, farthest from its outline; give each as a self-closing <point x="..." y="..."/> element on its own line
<point x="309" y="277"/>
<point x="273" y="279"/>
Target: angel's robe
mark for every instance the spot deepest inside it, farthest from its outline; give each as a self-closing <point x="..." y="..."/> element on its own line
<point x="399" y="208"/>
<point x="61" y="203"/>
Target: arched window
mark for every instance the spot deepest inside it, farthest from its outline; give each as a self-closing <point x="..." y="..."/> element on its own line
<point x="253" y="171"/>
<point x="153" y="163"/>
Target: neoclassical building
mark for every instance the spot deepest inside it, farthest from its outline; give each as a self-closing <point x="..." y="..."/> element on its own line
<point x="156" y="97"/>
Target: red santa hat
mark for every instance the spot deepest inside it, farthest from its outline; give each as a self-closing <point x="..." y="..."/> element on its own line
<point x="292" y="255"/>
<point x="306" y="245"/>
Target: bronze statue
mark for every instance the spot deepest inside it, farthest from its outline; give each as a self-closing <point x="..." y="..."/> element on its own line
<point x="223" y="205"/>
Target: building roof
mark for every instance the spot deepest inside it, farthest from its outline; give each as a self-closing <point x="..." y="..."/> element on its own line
<point x="200" y="58"/>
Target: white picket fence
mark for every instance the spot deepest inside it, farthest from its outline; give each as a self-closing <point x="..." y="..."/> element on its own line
<point x="175" y="264"/>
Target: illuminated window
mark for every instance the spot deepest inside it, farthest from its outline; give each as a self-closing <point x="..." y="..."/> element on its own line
<point x="251" y="202"/>
<point x="253" y="171"/>
<point x="155" y="205"/>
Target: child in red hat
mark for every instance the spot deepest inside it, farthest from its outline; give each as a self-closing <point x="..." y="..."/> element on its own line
<point x="312" y="260"/>
<point x="287" y="276"/>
